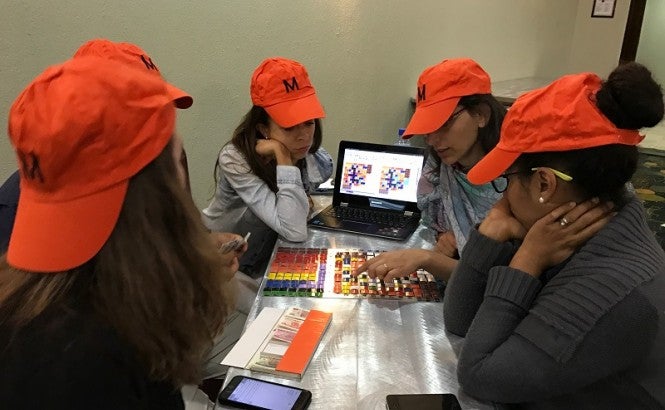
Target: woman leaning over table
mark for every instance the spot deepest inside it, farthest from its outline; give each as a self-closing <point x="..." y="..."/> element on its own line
<point x="460" y="121"/>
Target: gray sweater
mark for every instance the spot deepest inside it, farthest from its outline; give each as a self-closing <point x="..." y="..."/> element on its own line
<point x="589" y="333"/>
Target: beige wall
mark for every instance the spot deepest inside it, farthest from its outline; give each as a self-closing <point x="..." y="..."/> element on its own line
<point x="596" y="44"/>
<point x="364" y="56"/>
<point x="651" y="50"/>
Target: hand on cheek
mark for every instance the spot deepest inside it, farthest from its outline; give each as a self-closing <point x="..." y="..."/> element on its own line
<point x="557" y="235"/>
<point x="271" y="148"/>
<point x="500" y="223"/>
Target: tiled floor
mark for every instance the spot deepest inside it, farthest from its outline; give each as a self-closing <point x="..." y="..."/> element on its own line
<point x="649" y="183"/>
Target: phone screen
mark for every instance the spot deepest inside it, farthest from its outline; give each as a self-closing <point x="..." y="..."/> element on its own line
<point x="262" y="394"/>
<point x="422" y="402"/>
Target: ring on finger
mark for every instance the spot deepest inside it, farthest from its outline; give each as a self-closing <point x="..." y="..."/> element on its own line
<point x="563" y="221"/>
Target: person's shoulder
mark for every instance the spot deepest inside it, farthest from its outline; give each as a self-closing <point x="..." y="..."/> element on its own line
<point x="74" y="360"/>
<point x="83" y="342"/>
<point x="321" y="152"/>
<point x="101" y="361"/>
<point x="228" y="150"/>
<point x="10" y="189"/>
<point x="231" y="155"/>
<point x="627" y="244"/>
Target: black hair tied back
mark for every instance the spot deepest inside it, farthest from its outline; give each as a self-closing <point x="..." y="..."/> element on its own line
<point x="631" y="98"/>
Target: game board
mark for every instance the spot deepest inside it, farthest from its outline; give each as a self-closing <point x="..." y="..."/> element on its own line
<point x="355" y="175"/>
<point x="394" y="179"/>
<point x="328" y="273"/>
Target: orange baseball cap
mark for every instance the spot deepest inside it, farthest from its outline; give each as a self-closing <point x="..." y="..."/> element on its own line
<point x="81" y="130"/>
<point x="562" y="116"/>
<point x="282" y="87"/>
<point x="133" y="55"/>
<point x="440" y="88"/>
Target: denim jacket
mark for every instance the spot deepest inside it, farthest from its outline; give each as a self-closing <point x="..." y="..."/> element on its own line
<point x="245" y="203"/>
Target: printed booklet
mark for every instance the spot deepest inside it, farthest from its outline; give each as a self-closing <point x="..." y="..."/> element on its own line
<point x="280" y="341"/>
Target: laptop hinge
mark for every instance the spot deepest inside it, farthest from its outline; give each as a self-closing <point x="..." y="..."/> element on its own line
<point x="344" y="204"/>
<point x="408" y="213"/>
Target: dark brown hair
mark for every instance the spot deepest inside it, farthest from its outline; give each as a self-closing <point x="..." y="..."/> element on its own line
<point x="488" y="136"/>
<point x="158" y="280"/>
<point x="631" y="99"/>
<point x="245" y="137"/>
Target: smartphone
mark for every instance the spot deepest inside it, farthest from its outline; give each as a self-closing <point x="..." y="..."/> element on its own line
<point x="250" y="393"/>
<point x="422" y="402"/>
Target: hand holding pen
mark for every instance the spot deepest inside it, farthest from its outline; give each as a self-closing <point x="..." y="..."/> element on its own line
<point x="236" y="244"/>
<point x="231" y="247"/>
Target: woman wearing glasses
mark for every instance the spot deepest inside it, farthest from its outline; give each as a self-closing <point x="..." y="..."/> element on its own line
<point x="460" y="121"/>
<point x="560" y="291"/>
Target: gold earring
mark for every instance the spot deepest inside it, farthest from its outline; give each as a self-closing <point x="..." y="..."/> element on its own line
<point x="541" y="200"/>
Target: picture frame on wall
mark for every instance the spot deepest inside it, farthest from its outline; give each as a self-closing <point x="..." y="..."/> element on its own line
<point x="603" y="8"/>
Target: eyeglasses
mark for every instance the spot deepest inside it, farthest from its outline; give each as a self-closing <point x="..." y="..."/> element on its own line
<point x="564" y="177"/>
<point x="451" y="120"/>
<point x="500" y="184"/>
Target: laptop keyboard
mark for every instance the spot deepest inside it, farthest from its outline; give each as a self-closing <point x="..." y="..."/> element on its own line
<point x="391" y="219"/>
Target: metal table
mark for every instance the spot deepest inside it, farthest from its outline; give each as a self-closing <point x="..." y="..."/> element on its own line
<point x="373" y="347"/>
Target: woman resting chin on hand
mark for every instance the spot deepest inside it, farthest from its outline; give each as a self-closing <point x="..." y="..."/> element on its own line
<point x="560" y="292"/>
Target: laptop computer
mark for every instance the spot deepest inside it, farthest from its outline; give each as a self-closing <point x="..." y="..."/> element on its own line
<point x="375" y="190"/>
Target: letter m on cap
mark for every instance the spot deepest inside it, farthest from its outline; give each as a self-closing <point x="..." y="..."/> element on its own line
<point x="148" y="63"/>
<point x="30" y="166"/>
<point x="291" y="87"/>
<point x="421" y="93"/>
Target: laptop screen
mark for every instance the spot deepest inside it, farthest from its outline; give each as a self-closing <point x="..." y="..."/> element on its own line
<point x="385" y="176"/>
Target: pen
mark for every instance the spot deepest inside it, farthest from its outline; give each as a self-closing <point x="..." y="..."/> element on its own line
<point x="235" y="244"/>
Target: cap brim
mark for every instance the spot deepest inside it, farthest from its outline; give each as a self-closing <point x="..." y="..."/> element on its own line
<point x="54" y="237"/>
<point x="491" y="166"/>
<point x="180" y="98"/>
<point x="430" y="118"/>
<point x="289" y="113"/>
